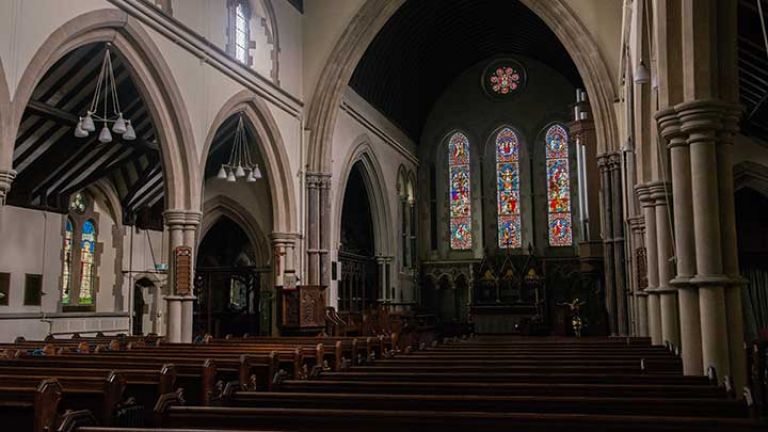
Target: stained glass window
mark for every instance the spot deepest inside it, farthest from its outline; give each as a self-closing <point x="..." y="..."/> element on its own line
<point x="66" y="273"/>
<point x="558" y="187"/>
<point x="87" y="250"/>
<point x="508" y="188"/>
<point x="460" y="196"/>
<point x="504" y="80"/>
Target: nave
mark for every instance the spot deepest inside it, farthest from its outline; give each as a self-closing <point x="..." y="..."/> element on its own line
<point x="414" y="381"/>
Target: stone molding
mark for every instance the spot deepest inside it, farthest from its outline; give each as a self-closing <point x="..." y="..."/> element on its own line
<point x="6" y="180"/>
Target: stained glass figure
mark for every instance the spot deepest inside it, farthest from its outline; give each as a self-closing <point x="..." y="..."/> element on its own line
<point x="66" y="271"/>
<point x="558" y="187"/>
<point x="87" y="252"/>
<point x="508" y="188"/>
<point x="460" y="196"/>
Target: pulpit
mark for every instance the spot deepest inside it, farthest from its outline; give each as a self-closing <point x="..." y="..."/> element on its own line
<point x="303" y="309"/>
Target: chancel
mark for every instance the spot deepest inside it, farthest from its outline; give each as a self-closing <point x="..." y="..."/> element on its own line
<point x="383" y="215"/>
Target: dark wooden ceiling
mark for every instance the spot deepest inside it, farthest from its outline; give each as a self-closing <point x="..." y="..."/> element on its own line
<point x="753" y="70"/>
<point x="52" y="163"/>
<point x="428" y="43"/>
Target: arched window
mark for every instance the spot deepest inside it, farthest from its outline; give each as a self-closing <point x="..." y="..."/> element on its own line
<point x="87" y="249"/>
<point x="79" y="255"/>
<point x="239" y="31"/>
<point x="66" y="272"/>
<point x="508" y="188"/>
<point x="558" y="187"/>
<point x="460" y="196"/>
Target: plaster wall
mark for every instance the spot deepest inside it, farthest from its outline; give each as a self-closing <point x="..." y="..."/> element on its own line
<point x="37" y="240"/>
<point x="360" y="124"/>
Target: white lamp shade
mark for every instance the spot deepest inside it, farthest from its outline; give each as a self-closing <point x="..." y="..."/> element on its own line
<point x="105" y="136"/>
<point x="256" y="172"/>
<point x="129" y="134"/>
<point x="250" y="178"/>
<point x="79" y="132"/>
<point x="88" y="125"/>
<point x="222" y="173"/>
<point x="641" y="74"/>
<point x="231" y="177"/>
<point x="239" y="171"/>
<point x="119" y="126"/>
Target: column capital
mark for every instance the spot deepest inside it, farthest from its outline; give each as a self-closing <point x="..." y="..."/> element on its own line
<point x="316" y="180"/>
<point x="705" y="117"/>
<point x="284" y="238"/>
<point x="179" y="217"/>
<point x="660" y="192"/>
<point x="636" y="223"/>
<point x="602" y="161"/>
<point x="670" y="127"/>
<point x="644" y="195"/>
<point x="614" y="160"/>
<point x="6" y="179"/>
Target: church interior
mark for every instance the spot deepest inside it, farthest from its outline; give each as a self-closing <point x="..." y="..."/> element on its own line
<point x="394" y="215"/>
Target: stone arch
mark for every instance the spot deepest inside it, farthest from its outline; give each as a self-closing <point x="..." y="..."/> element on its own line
<point x="5" y="113"/>
<point x="377" y="194"/>
<point x="272" y="148"/>
<point x="223" y="206"/>
<point x="371" y="17"/>
<point x="153" y="79"/>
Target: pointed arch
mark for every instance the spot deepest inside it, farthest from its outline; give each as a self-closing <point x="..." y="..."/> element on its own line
<point x="277" y="171"/>
<point x="222" y="206"/>
<point x="154" y="81"/>
<point x="377" y="194"/>
<point x="371" y="17"/>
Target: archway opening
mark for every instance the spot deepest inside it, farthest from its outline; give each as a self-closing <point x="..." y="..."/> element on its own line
<point x="359" y="285"/>
<point x="752" y="232"/>
<point x="236" y="143"/>
<point x="228" y="281"/>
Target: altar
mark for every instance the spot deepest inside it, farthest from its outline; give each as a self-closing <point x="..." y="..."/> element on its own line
<point x="508" y="296"/>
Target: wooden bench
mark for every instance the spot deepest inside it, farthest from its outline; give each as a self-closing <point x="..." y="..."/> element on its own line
<point x="321" y="420"/>
<point x="102" y="395"/>
<point x="496" y="388"/>
<point x="30" y="407"/>
<point x="658" y="406"/>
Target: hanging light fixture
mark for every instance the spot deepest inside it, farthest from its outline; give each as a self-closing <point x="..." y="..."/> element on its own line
<point x="108" y="86"/>
<point x="240" y="165"/>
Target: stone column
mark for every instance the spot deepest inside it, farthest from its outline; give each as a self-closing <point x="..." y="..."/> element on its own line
<point x="607" y="234"/>
<point x="701" y="120"/>
<point x="653" y="302"/>
<point x="733" y="302"/>
<point x="617" y="213"/>
<point x="685" y="255"/>
<point x="325" y="231"/>
<point x="6" y="180"/>
<point x="182" y="231"/>
<point x="313" y="181"/>
<point x="670" y="329"/>
<point x="384" y="296"/>
<point x="640" y="277"/>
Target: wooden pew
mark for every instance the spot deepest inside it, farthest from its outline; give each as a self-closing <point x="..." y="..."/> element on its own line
<point x="325" y="420"/>
<point x="103" y="395"/>
<point x="31" y="407"/>
<point x="659" y="406"/>
<point x="510" y="389"/>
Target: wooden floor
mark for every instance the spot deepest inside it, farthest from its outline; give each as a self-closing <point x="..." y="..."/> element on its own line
<point x="369" y="384"/>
